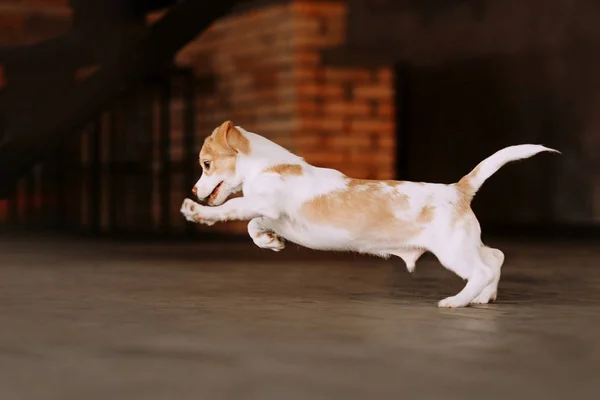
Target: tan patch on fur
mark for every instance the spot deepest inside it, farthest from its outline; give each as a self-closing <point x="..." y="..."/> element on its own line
<point x="222" y="159"/>
<point x="465" y="196"/>
<point x="230" y="137"/>
<point x="465" y="186"/>
<point x="462" y="206"/>
<point x="401" y="200"/>
<point x="286" y="169"/>
<point x="221" y="149"/>
<point x="426" y="215"/>
<point x="363" y="206"/>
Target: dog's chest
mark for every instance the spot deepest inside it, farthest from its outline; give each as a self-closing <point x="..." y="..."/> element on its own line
<point x="308" y="235"/>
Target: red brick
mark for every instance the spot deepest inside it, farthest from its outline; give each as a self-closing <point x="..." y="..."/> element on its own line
<point x="319" y="42"/>
<point x="383" y="92"/>
<point x="385" y="76"/>
<point x="253" y="97"/>
<point x="271" y="110"/>
<point x="351" y="141"/>
<point x="358" y="75"/>
<point x="251" y="44"/>
<point x="362" y="157"/>
<point x="305" y="25"/>
<point x="267" y="77"/>
<point x="382" y="127"/>
<point x="258" y="61"/>
<point x="273" y="13"/>
<point x="324" y="158"/>
<point x="386" y="141"/>
<point x="321" y="124"/>
<point x="385" y="109"/>
<point x="306" y="74"/>
<point x="303" y="58"/>
<point x="387" y="172"/>
<point x="284" y="126"/>
<point x="319" y="26"/>
<point x="307" y="108"/>
<point x="320" y="90"/>
<point x="307" y="140"/>
<point x="384" y="158"/>
<point x="237" y="82"/>
<point x="348" y="108"/>
<point x="319" y="8"/>
<point x="285" y="142"/>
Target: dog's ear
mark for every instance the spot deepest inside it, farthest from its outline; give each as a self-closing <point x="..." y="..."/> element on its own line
<point x="229" y="137"/>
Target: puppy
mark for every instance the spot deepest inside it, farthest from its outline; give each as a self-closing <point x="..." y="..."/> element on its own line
<point x="286" y="198"/>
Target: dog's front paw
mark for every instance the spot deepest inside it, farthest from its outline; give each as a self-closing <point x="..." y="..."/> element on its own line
<point x="188" y="209"/>
<point x="195" y="212"/>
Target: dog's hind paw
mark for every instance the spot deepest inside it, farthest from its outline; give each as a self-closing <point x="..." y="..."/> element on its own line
<point x="485" y="298"/>
<point x="452" y="302"/>
<point x="269" y="241"/>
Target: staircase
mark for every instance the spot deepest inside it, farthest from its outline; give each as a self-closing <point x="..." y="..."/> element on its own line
<point x="47" y="98"/>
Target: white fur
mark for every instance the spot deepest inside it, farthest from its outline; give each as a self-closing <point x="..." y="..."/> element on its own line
<point x="272" y="204"/>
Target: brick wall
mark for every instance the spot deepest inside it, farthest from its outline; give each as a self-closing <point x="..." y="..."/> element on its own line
<point x="245" y="65"/>
<point x="266" y="74"/>
<point x="263" y="69"/>
<point x="345" y="114"/>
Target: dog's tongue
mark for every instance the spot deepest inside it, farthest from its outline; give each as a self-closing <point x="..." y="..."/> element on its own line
<point x="215" y="192"/>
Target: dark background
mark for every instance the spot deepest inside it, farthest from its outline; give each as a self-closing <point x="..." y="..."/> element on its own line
<point x="100" y="125"/>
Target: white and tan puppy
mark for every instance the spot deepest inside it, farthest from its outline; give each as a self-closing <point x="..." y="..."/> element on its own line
<point x="286" y="198"/>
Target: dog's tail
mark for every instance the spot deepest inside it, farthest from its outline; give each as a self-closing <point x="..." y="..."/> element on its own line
<point x="470" y="183"/>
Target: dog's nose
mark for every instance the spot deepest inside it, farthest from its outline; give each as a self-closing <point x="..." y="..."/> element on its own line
<point x="194" y="191"/>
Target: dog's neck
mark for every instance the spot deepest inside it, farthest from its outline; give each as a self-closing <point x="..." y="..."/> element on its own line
<point x="263" y="154"/>
<point x="267" y="151"/>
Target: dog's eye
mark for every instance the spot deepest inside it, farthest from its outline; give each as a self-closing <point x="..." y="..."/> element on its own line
<point x="206" y="164"/>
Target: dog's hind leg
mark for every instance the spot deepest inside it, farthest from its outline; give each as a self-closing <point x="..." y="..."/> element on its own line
<point x="494" y="258"/>
<point x="463" y="258"/>
<point x="263" y="236"/>
<point x="479" y="276"/>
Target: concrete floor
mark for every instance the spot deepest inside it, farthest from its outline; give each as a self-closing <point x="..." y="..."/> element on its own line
<point x="83" y="320"/>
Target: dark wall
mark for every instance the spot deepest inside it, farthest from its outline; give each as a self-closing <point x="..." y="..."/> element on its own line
<point x="462" y="112"/>
<point x="484" y="74"/>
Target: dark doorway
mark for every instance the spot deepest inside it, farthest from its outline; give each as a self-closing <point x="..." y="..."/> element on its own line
<point x="451" y="116"/>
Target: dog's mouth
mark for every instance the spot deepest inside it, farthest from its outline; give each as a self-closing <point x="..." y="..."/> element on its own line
<point x="213" y="195"/>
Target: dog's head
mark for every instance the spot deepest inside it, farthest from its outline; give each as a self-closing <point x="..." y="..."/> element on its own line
<point x="218" y="158"/>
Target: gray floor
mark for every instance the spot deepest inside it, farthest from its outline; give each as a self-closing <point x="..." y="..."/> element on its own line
<point x="86" y="320"/>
